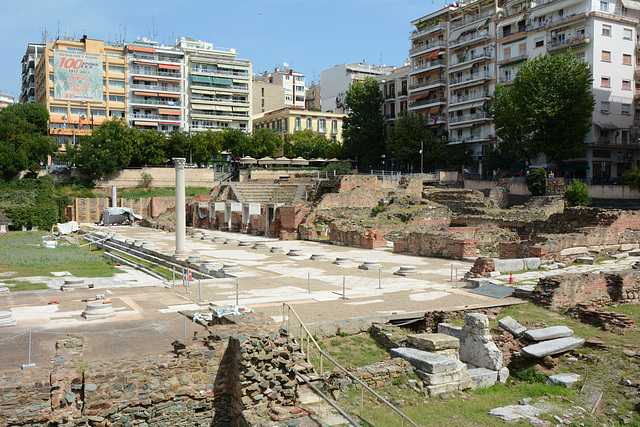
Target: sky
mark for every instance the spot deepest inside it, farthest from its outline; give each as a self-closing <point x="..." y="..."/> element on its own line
<point x="309" y="35"/>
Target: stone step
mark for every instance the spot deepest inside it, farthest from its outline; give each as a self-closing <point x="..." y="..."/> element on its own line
<point x="551" y="347"/>
<point x="303" y="367"/>
<point x="430" y="363"/>
<point x="309" y="377"/>
<point x="549" y="333"/>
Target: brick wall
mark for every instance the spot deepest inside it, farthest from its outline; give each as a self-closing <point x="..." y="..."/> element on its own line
<point x="437" y="243"/>
<point x="160" y="205"/>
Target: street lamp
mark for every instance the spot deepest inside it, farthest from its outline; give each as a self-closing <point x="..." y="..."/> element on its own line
<point x="421" y="161"/>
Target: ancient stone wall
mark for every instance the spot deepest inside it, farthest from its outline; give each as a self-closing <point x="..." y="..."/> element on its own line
<point x="212" y="378"/>
<point x="565" y="291"/>
<point x="454" y="243"/>
<point x="161" y="204"/>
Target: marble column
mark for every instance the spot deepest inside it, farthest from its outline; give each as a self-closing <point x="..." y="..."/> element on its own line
<point x="114" y="197"/>
<point x="181" y="220"/>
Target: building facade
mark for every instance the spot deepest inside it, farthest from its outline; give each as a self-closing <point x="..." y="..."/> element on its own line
<point x="155" y="87"/>
<point x="335" y="81"/>
<point x="266" y="96"/>
<point x="289" y="120"/>
<point x="218" y="94"/>
<point x="72" y="118"/>
<point x="313" y="98"/>
<point x="28" y="88"/>
<point x="5" y="100"/>
<point x="459" y="53"/>
<point x="395" y="89"/>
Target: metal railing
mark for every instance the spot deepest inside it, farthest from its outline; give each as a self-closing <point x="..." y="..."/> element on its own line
<point x="167" y="88"/>
<point x="210" y="99"/>
<point x="474" y="76"/>
<point x="306" y="340"/>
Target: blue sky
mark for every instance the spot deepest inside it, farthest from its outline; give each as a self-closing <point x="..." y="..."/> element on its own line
<point x="309" y="35"/>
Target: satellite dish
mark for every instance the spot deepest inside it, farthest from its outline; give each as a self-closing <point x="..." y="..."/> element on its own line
<point x="285" y="64"/>
<point x="144" y="39"/>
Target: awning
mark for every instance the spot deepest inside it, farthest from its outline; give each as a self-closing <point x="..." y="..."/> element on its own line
<point x="169" y="95"/>
<point x="201" y="91"/>
<point x="221" y="108"/>
<point x="145" y="93"/>
<point x="434" y="110"/>
<point x="200" y="79"/>
<point x="141" y="49"/>
<point x="266" y="161"/>
<point x="170" y="123"/>
<point x="145" y="79"/>
<point x="631" y="4"/>
<point x="248" y="160"/>
<point x="512" y="20"/>
<point x="606" y="125"/>
<point x="453" y="36"/>
<point x="282" y="161"/>
<point x="221" y="81"/>
<point x="169" y="112"/>
<point x="299" y="161"/>
<point x="138" y="123"/>
<point x="477" y="104"/>
<point x="169" y="67"/>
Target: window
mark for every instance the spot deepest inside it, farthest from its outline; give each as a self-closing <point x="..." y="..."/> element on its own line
<point x="580" y="56"/>
<point x="100" y="112"/>
<point x="322" y="125"/>
<point x="116" y="113"/>
<point x="605" y="107"/>
<point x="539" y="42"/>
<point x="507" y="52"/>
<point x="262" y="91"/>
<point x="626" y="59"/>
<point x="116" y="83"/>
<point x="625" y="136"/>
<point x="58" y="110"/>
<point x="300" y="88"/>
<point x="114" y="54"/>
<point x="605" y="82"/>
<point x="116" y="69"/>
<point x="116" y="98"/>
<point x="606" y="56"/>
<point x="561" y="13"/>
<point x="522" y="49"/>
<point x="298" y="124"/>
<point x="626" y="109"/>
<point x="626" y="84"/>
<point x="287" y="77"/>
<point x="606" y="30"/>
<point x="334" y="126"/>
<point x="627" y="33"/>
<point x="604" y="6"/>
<point x="73" y="49"/>
<point x="309" y="123"/>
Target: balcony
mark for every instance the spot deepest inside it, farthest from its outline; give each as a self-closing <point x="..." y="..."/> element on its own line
<point x="468" y="59"/>
<point x="470" y="80"/>
<point x="436" y="120"/>
<point x="158" y="88"/>
<point x="220" y="113"/>
<point x="427" y="102"/>
<point x="474" y="138"/>
<point x="219" y="100"/>
<point x="163" y="102"/>
<point x="156" y="117"/>
<point x="505" y="81"/>
<point x="429" y="65"/>
<point x="556" y="44"/>
<point x="154" y="58"/>
<point x="470" y="118"/>
<point x="220" y="72"/>
<point x="427" y="30"/>
<point x="513" y="59"/>
<point x="155" y="73"/>
<point x="470" y="20"/>
<point x="427" y="47"/>
<point x="428" y="84"/>
<point x="390" y="95"/>
<point x="470" y="38"/>
<point x="402" y="93"/>
<point x="389" y="117"/>
<point x="454" y="100"/>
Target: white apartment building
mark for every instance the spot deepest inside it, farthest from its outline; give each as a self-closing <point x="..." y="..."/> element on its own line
<point x="6" y="100"/>
<point x="601" y="33"/>
<point x="395" y="88"/>
<point x="460" y="52"/>
<point x="335" y="81"/>
<point x="156" y="87"/>
<point x="294" y="86"/>
<point x="218" y="94"/>
<point x="28" y="91"/>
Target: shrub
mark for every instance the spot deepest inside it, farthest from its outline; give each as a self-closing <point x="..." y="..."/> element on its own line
<point x="536" y="181"/>
<point x="577" y="194"/>
<point x="341" y="168"/>
<point x="147" y="179"/>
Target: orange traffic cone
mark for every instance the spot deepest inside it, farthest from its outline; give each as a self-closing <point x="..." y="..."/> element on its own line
<point x="510" y="277"/>
<point x="191" y="276"/>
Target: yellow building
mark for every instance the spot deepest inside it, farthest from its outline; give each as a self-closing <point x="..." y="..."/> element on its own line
<point x="71" y="117"/>
<point x="292" y="119"/>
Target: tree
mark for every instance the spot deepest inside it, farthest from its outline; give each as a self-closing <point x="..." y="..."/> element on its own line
<point x="22" y="144"/>
<point x="108" y="149"/>
<point x="547" y="110"/>
<point x="205" y="145"/>
<point x="150" y="148"/>
<point x="458" y="155"/>
<point x="632" y="178"/>
<point x="578" y="194"/>
<point x="36" y="114"/>
<point x="179" y="145"/>
<point x="363" y="127"/>
<point x="306" y="144"/>
<point x="264" y="142"/>
<point x="409" y="136"/>
<point x="536" y="181"/>
<point x="236" y="141"/>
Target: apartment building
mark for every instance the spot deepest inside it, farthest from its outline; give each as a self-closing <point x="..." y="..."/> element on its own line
<point x="77" y="103"/>
<point x="395" y="89"/>
<point x="28" y="88"/>
<point x="266" y="96"/>
<point x="218" y="94"/>
<point x="313" y="97"/>
<point x="460" y="52"/>
<point x="155" y="86"/>
<point x="601" y="33"/>
<point x="335" y="81"/>
<point x="5" y="100"/>
<point x="289" y="120"/>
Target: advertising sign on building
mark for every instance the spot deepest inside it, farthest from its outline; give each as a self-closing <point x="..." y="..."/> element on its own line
<point x="77" y="76"/>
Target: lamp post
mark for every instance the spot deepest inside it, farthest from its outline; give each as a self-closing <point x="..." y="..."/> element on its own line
<point x="421" y="161"/>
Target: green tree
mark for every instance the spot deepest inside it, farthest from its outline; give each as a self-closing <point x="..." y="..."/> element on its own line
<point x="35" y="114"/>
<point x="578" y="194"/>
<point x="632" y="178"/>
<point x="237" y="142"/>
<point x="458" y="155"/>
<point x="363" y="127"/>
<point x="22" y="143"/>
<point x="150" y="148"/>
<point x="108" y="149"/>
<point x="306" y="144"/>
<point x="205" y="145"/>
<point x="547" y="110"/>
<point x="264" y="142"/>
<point x="409" y="136"/>
<point x="536" y="181"/>
<point x="179" y="145"/>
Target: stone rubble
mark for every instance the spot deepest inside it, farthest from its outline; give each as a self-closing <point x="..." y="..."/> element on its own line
<point x="512" y="326"/>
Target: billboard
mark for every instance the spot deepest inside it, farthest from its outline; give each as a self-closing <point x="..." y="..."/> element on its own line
<point x="77" y="76"/>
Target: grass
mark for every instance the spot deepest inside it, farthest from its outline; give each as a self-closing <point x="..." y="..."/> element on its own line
<point x="18" y="286"/>
<point x="21" y="252"/>
<point x="158" y="269"/>
<point x="137" y="192"/>
<point x="601" y="370"/>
